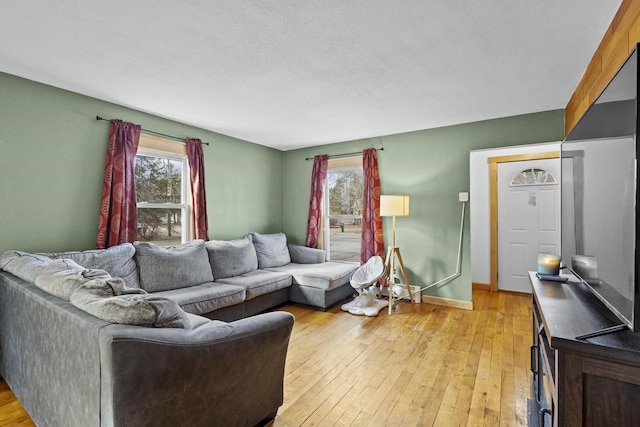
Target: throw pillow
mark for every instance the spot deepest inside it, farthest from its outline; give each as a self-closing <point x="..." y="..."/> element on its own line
<point x="172" y="267"/>
<point x="230" y="258"/>
<point x="23" y="265"/>
<point x="60" y="278"/>
<point x="118" y="261"/>
<point x="271" y="249"/>
<point x="111" y="300"/>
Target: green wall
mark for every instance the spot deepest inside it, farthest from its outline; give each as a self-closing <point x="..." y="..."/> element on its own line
<point x="432" y="166"/>
<point x="52" y="154"/>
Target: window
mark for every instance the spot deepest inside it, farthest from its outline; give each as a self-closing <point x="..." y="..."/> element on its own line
<point x="162" y="179"/>
<point x="533" y="176"/>
<point x="343" y="207"/>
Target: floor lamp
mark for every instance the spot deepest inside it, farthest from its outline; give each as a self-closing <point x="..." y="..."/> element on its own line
<point x="393" y="206"/>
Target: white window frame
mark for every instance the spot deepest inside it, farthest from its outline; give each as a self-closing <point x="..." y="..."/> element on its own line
<point x="153" y="146"/>
<point x="326" y="238"/>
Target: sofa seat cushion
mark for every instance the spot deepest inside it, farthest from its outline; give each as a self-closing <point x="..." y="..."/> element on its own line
<point x="172" y="267"/>
<point x="230" y="258"/>
<point x="196" y="321"/>
<point x="206" y="297"/>
<point x="326" y="276"/>
<point x="259" y="282"/>
<point x="118" y="261"/>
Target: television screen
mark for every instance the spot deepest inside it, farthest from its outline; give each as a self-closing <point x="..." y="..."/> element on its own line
<point x="599" y="190"/>
<point x="598" y="221"/>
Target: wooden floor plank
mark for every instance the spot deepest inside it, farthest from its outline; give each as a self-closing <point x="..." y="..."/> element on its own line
<point x="507" y="385"/>
<point x="424" y="365"/>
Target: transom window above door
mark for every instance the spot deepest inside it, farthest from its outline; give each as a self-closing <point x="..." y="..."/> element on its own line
<point x="533" y="176"/>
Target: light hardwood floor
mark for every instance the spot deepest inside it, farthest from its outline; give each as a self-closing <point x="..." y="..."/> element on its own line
<point x="424" y="365"/>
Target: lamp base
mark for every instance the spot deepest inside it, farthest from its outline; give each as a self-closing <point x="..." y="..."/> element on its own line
<point x="394" y="251"/>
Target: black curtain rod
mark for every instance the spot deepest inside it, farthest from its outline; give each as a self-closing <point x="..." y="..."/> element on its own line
<point x="337" y="156"/>
<point x="153" y="132"/>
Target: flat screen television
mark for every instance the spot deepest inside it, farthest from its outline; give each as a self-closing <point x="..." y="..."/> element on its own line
<point x="599" y="188"/>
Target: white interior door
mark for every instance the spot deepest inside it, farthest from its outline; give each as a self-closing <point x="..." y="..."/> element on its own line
<point x="528" y="219"/>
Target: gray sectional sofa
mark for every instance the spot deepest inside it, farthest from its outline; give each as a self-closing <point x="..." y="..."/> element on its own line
<point x="143" y="335"/>
<point x="233" y="279"/>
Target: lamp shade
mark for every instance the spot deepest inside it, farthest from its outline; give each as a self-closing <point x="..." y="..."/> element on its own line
<point x="394" y="205"/>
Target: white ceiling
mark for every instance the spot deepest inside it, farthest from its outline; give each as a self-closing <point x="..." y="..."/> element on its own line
<point x="290" y="74"/>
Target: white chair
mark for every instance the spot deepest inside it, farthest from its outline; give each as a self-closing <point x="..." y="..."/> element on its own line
<point x="363" y="280"/>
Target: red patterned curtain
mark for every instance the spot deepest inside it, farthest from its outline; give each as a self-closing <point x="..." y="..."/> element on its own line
<point x="372" y="239"/>
<point x="198" y="193"/>
<point x="318" y="177"/>
<point x="118" y="222"/>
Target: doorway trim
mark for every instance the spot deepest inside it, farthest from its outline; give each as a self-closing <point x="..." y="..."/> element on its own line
<point x="493" y="202"/>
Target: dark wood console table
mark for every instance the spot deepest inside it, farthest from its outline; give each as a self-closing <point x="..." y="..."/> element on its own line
<point x="593" y="382"/>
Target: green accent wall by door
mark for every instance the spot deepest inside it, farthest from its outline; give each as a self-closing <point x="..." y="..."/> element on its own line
<point x="432" y="166"/>
<point x="52" y="154"/>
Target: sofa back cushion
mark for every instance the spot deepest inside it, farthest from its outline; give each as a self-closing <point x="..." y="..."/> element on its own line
<point x="172" y="267"/>
<point x="118" y="261"/>
<point x="231" y="258"/>
<point x="271" y="249"/>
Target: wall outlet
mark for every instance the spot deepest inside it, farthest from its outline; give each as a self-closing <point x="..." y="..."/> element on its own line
<point x="463" y="197"/>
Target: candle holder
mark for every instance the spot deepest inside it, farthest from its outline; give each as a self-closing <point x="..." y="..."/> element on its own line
<point x="548" y="264"/>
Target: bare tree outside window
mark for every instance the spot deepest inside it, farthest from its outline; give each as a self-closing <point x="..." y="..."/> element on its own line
<point x="345" y="196"/>
<point x="159" y="188"/>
